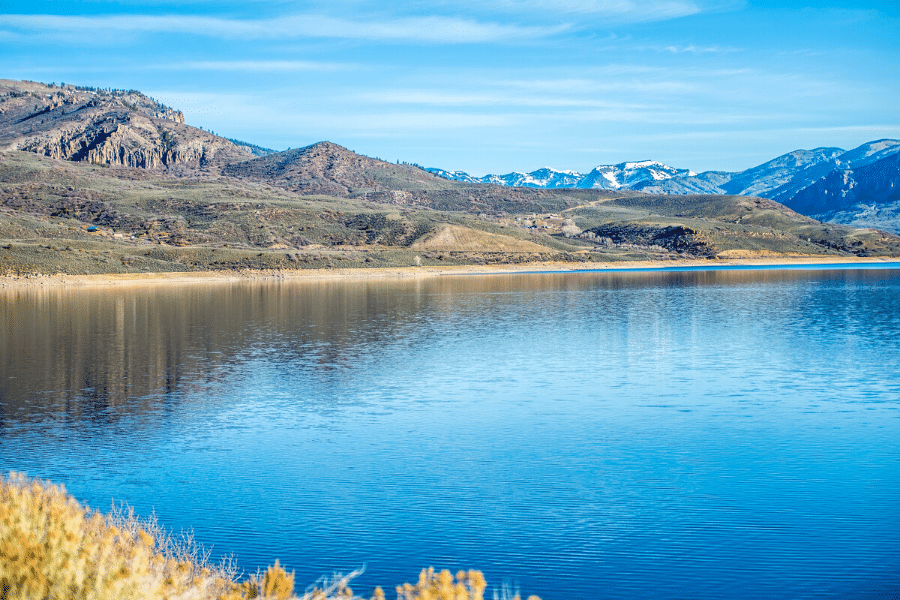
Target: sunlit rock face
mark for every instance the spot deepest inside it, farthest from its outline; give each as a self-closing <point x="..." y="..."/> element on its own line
<point x="115" y="128"/>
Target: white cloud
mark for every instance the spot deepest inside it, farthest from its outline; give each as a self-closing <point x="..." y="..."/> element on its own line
<point x="692" y="49"/>
<point x="406" y="123"/>
<point x="258" y="66"/>
<point x="414" y="29"/>
<point x="620" y="10"/>
<point x="441" y="98"/>
<point x="221" y="110"/>
<point x="614" y="12"/>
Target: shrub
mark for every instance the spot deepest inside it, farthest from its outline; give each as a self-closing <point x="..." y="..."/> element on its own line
<point x="441" y="586"/>
<point x="53" y="548"/>
<point x="278" y="583"/>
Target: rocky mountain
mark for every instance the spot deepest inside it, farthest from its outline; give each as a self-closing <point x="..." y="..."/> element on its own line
<point x="792" y="179"/>
<point x="259" y="203"/>
<point x="627" y="175"/>
<point x="858" y="157"/>
<point x="107" y="127"/>
<point x="865" y="196"/>
<point x="778" y="179"/>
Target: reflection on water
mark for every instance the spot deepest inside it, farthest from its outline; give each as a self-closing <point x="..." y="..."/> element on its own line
<point x="642" y="434"/>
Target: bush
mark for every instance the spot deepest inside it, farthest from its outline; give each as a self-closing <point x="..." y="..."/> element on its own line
<point x="441" y="586"/>
<point x="53" y="548"/>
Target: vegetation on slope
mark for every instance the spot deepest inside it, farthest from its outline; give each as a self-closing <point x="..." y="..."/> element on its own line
<point x="111" y="181"/>
<point x="130" y="173"/>
<point x="53" y="548"/>
<point x="60" y="217"/>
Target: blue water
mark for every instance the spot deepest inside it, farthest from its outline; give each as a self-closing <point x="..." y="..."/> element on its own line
<point x="678" y="434"/>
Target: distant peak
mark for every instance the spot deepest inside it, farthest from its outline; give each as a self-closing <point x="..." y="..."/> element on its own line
<point x="641" y="164"/>
<point x="325" y="145"/>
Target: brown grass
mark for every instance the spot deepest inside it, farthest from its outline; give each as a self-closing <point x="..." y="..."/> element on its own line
<point x="455" y="237"/>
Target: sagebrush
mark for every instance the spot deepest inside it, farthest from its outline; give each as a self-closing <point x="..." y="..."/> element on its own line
<point x="53" y="548"/>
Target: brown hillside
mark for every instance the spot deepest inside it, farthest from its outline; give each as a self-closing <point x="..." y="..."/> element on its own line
<point x="122" y="128"/>
<point x="329" y="169"/>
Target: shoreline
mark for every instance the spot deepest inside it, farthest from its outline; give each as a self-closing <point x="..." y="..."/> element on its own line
<point x="412" y="272"/>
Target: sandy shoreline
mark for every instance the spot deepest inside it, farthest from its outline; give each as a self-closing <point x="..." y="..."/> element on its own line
<point x="199" y="277"/>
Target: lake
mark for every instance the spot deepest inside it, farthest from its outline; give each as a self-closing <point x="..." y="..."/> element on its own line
<point x="644" y="434"/>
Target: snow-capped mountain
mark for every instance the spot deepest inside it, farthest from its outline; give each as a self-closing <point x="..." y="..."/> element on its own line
<point x="542" y="178"/>
<point x="779" y="179"/>
<point x="760" y="180"/>
<point x="866" y="196"/>
<point x="629" y="174"/>
<point x="455" y="175"/>
<point x="807" y="181"/>
<point x="853" y="159"/>
<point x="607" y="177"/>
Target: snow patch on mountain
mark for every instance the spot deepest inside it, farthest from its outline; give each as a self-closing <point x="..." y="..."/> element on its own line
<point x="859" y="186"/>
<point x="609" y="177"/>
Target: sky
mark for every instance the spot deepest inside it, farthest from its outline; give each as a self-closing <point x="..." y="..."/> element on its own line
<point x="489" y="86"/>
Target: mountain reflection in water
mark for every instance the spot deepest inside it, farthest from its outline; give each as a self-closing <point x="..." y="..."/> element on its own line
<point x="634" y="434"/>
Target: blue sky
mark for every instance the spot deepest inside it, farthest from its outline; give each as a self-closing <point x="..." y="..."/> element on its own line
<point x="489" y="86"/>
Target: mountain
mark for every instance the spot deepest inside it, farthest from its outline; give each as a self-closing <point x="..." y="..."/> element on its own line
<point x="629" y="174"/>
<point x="708" y="182"/>
<point x="868" y="195"/>
<point x="254" y="149"/>
<point x="657" y="178"/>
<point x="781" y="179"/>
<point x="760" y="180"/>
<point x="326" y="168"/>
<point x="858" y="157"/>
<point x="107" y="127"/>
<point x="625" y="175"/>
<point x="545" y="178"/>
<point x="96" y="181"/>
<point x="74" y="217"/>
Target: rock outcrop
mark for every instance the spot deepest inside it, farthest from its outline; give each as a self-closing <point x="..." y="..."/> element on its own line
<point x="116" y="128"/>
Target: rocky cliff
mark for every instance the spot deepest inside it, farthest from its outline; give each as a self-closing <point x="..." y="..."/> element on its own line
<point x="107" y="127"/>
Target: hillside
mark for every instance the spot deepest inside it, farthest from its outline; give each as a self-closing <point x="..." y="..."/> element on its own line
<point x="326" y="168"/>
<point x="782" y="179"/>
<point x="113" y="182"/>
<point x="330" y="169"/>
<point x="61" y="217"/>
<point x="866" y="196"/>
<point x="118" y="127"/>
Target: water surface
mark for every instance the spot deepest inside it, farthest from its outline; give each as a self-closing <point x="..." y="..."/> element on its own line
<point x="687" y="434"/>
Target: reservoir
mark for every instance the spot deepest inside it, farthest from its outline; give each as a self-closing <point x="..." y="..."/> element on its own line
<point x="644" y="434"/>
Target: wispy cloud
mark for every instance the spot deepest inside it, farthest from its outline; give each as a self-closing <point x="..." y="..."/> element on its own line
<point x="774" y="134"/>
<point x="598" y="12"/>
<point x="441" y="98"/>
<point x="433" y="29"/>
<point x="692" y="49"/>
<point x="267" y="66"/>
<point x="627" y="11"/>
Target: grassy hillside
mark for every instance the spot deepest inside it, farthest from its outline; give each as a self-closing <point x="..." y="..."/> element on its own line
<point x="78" y="218"/>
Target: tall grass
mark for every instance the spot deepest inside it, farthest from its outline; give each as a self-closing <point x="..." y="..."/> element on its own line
<point x="53" y="548"/>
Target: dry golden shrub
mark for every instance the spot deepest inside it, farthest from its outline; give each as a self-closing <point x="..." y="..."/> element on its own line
<point x="53" y="548"/>
<point x="442" y="586"/>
